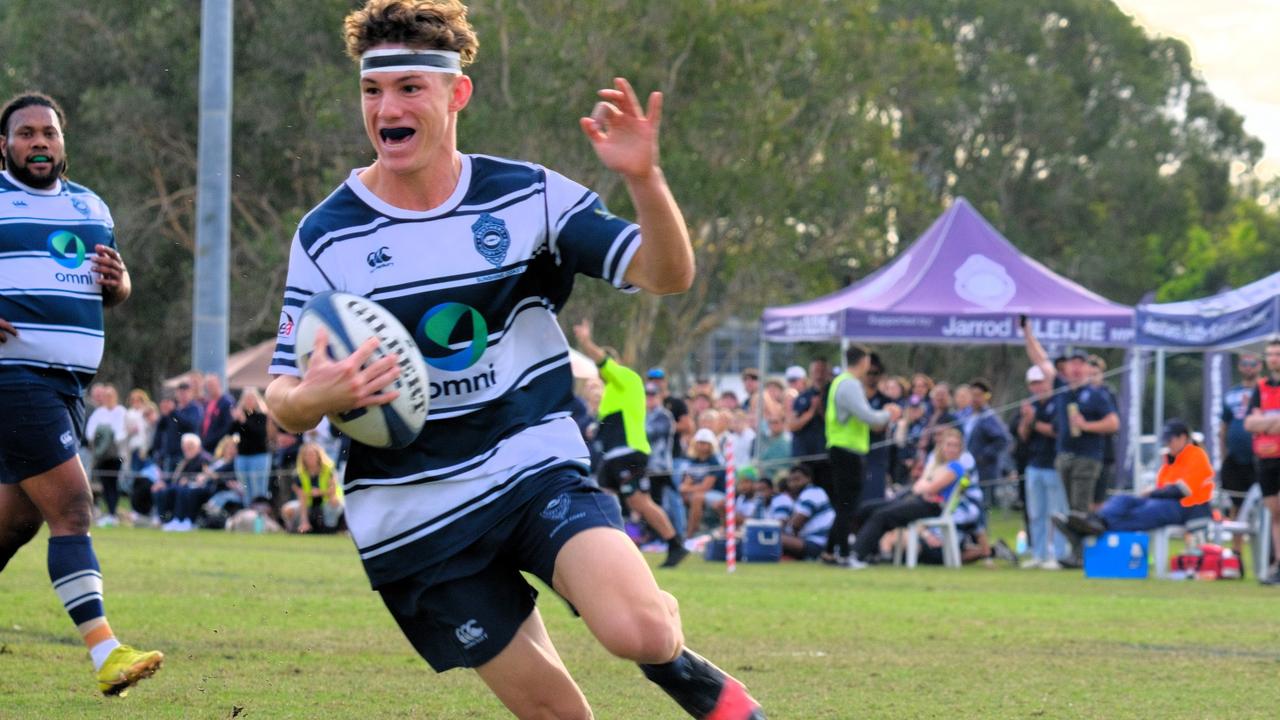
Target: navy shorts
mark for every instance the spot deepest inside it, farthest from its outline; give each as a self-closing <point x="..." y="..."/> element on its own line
<point x="40" y="428"/>
<point x="464" y="610"/>
<point x="626" y="474"/>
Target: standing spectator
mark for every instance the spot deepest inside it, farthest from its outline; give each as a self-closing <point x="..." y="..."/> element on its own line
<point x="877" y="458"/>
<point x="741" y="433"/>
<point x="848" y="428"/>
<point x="728" y="402"/>
<point x="680" y="414"/>
<point x="253" y="457"/>
<point x="166" y="450"/>
<point x="140" y="428"/>
<point x="963" y="405"/>
<point x="1237" y="474"/>
<point x="755" y="399"/>
<point x="660" y="428"/>
<point x="940" y="418"/>
<point x="217" y="413"/>
<point x="1264" y="422"/>
<point x="922" y="391"/>
<point x="107" y="435"/>
<point x="775" y="442"/>
<point x="986" y="437"/>
<point x="1097" y="373"/>
<point x="1045" y="495"/>
<point x="1082" y="417"/>
<point x="318" y="502"/>
<point x="806" y="422"/>
<point x="187" y="417"/>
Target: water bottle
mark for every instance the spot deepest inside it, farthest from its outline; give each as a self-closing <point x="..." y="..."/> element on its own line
<point x="259" y="524"/>
<point x="1020" y="545"/>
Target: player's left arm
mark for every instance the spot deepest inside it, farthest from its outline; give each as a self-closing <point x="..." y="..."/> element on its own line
<point x="113" y="276"/>
<point x="625" y="137"/>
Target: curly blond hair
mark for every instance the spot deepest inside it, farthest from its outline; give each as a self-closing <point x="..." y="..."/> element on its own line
<point x="419" y="24"/>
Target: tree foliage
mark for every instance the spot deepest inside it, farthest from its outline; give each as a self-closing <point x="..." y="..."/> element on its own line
<point x="807" y="142"/>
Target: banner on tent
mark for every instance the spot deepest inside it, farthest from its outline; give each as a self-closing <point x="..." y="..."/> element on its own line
<point x="1198" y="331"/>
<point x="966" y="328"/>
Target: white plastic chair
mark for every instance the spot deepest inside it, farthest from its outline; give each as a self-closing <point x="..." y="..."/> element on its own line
<point x="909" y="539"/>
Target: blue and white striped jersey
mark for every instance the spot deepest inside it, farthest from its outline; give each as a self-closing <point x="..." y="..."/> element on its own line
<point x="47" y="289"/>
<point x="477" y="282"/>
<point x="814" y="504"/>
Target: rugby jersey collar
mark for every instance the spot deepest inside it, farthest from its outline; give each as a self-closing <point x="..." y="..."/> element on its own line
<point x="55" y="190"/>
<point x="459" y="192"/>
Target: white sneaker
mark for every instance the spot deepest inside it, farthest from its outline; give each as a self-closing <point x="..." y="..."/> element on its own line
<point x="1051" y="564"/>
<point x="171" y="526"/>
<point x="853" y="563"/>
<point x="108" y="521"/>
<point x="1031" y="564"/>
<point x="185" y="526"/>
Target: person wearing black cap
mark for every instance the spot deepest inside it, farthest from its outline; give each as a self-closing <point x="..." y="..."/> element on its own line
<point x="985" y="435"/>
<point x="1083" y="416"/>
<point x="1184" y="487"/>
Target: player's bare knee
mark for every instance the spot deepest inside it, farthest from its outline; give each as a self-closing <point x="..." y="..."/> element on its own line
<point x="73" y="515"/>
<point x="643" y="634"/>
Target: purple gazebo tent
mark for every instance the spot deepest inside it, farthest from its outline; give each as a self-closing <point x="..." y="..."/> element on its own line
<point x="960" y="282"/>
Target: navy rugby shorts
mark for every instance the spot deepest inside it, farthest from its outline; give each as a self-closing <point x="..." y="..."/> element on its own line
<point x="466" y="609"/>
<point x="39" y="430"/>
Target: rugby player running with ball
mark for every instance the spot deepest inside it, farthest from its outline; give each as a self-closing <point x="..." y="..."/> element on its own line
<point x="475" y="255"/>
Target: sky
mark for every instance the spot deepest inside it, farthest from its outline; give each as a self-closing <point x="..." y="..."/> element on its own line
<point x="1233" y="44"/>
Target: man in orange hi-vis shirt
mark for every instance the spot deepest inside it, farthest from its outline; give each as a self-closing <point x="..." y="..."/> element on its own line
<point x="1183" y="489"/>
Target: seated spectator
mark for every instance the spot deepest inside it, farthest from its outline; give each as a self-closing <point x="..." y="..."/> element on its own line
<point x="1184" y="487"/>
<point x="782" y="503"/>
<point x="927" y="497"/>
<point x="226" y="494"/>
<point x="702" y="486"/>
<point x="177" y="498"/>
<point x="256" y="518"/>
<point x="804" y="536"/>
<point x="747" y="504"/>
<point x="317" y="505"/>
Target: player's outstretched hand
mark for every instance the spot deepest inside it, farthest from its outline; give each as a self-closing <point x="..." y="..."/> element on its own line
<point x="332" y="386"/>
<point x="7" y="329"/>
<point x="624" y="133"/>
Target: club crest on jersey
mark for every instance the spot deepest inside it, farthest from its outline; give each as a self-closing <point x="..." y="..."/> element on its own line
<point x="557" y="508"/>
<point x="379" y="258"/>
<point x="492" y="238"/>
<point x="81" y="206"/>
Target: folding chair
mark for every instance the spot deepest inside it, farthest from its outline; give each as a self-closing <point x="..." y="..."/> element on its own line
<point x="909" y="538"/>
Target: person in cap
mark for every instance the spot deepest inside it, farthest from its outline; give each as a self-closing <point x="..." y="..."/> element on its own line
<point x="806" y="420"/>
<point x="986" y="437"/>
<point x="703" y="484"/>
<point x="1184" y="487"/>
<point x="1083" y="417"/>
<point x="1045" y="495"/>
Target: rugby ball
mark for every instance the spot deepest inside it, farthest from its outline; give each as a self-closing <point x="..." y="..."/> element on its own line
<point x="350" y="320"/>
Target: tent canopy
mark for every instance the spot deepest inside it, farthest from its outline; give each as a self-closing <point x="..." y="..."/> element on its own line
<point x="961" y="281"/>
<point x="1225" y="320"/>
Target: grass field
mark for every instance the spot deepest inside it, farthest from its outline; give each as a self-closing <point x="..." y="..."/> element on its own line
<point x="286" y="627"/>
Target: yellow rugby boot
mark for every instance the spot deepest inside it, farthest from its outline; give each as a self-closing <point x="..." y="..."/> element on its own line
<point x="125" y="667"/>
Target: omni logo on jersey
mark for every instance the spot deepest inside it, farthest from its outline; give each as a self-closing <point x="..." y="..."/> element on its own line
<point x="66" y="248"/>
<point x="470" y="634"/>
<point x="449" y="324"/>
<point x="379" y="258"/>
<point x="492" y="238"/>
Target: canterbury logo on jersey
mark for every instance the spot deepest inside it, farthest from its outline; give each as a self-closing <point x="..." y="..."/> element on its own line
<point x="470" y="634"/>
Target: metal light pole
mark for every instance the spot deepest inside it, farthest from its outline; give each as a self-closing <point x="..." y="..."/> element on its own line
<point x="213" y="192"/>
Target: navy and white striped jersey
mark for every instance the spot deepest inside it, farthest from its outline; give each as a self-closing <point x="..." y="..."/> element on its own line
<point x="813" y="504"/>
<point x="47" y="289"/>
<point x="477" y="282"/>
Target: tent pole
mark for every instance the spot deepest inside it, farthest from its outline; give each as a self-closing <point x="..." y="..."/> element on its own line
<point x="762" y="357"/>
<point x="1159" y="407"/>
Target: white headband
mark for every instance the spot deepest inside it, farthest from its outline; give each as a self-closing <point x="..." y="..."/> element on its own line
<point x="409" y="60"/>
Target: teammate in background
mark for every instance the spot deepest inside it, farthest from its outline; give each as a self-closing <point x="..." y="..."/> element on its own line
<point x="59" y="268"/>
<point x="476" y="254"/>
<point x="624" y="446"/>
<point x="1264" y="422"/>
<point x="1237" y="473"/>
